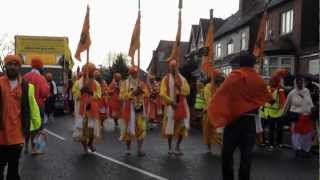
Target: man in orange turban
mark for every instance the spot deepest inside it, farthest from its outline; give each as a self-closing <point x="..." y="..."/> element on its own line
<point x="87" y="93"/>
<point x="235" y="106"/>
<point x="133" y="123"/>
<point x="14" y="117"/>
<point x="42" y="92"/>
<point x="49" y="104"/>
<point x="272" y="114"/>
<point x="173" y="90"/>
<point x="211" y="135"/>
<point x="114" y="100"/>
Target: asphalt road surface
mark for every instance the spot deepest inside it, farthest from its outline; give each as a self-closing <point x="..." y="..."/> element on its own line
<point x="64" y="160"/>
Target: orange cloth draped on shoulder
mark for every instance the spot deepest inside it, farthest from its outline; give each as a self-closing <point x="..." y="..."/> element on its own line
<point x="89" y="99"/>
<point x="103" y="102"/>
<point x="242" y="91"/>
<point x="114" y="101"/>
<point x="180" y="112"/>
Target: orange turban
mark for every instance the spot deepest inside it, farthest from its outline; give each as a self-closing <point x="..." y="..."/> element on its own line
<point x="133" y="69"/>
<point x="12" y="58"/>
<point x="278" y="75"/>
<point x="88" y="68"/>
<point x="36" y="62"/>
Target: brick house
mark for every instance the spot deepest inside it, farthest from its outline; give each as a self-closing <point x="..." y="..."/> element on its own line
<point x="197" y="38"/>
<point x="158" y="65"/>
<point x="292" y="38"/>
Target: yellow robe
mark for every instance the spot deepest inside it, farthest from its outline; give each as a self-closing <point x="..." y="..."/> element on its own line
<point x="210" y="135"/>
<point x="180" y="128"/>
<point x="139" y="122"/>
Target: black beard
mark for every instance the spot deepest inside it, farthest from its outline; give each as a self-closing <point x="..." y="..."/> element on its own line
<point x="12" y="75"/>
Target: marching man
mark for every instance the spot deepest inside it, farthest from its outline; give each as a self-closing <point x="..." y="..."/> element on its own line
<point x="173" y="90"/>
<point x="133" y="123"/>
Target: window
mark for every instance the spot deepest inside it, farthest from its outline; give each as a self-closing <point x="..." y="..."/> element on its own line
<point x="314" y="66"/>
<point x="230" y="47"/>
<point x="227" y="70"/>
<point x="268" y="30"/>
<point x="161" y="56"/>
<point x="243" y="41"/>
<point x="218" y="50"/>
<point x="287" y="22"/>
<point x="270" y="64"/>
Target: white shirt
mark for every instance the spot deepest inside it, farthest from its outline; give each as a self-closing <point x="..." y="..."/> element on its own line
<point x="13" y="84"/>
<point x="299" y="101"/>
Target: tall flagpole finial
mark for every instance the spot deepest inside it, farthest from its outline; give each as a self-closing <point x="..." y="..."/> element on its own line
<point x="180" y="4"/>
<point x="139" y="5"/>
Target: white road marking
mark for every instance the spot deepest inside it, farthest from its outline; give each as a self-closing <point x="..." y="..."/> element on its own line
<point x="114" y="160"/>
<point x="129" y="166"/>
<point x="55" y="135"/>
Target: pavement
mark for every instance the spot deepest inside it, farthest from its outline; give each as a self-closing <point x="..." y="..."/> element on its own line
<point x="64" y="160"/>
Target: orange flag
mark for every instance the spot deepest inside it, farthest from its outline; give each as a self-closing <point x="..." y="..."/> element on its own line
<point x="259" y="44"/>
<point x="135" y="39"/>
<point x="208" y="61"/>
<point x="176" y="50"/>
<point x="85" y="40"/>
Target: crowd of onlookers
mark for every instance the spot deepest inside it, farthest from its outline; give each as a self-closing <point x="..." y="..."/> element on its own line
<point x="295" y="113"/>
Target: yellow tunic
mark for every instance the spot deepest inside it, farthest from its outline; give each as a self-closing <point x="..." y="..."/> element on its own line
<point x="210" y="135"/>
<point x="90" y="126"/>
<point x="180" y="127"/>
<point x="126" y="95"/>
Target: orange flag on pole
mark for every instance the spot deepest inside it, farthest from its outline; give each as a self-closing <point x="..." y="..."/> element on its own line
<point x="176" y="49"/>
<point x="135" y="39"/>
<point x="208" y="61"/>
<point x="259" y="44"/>
<point x="85" y="40"/>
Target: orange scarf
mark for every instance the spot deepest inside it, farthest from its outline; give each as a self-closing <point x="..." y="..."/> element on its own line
<point x="88" y="99"/>
<point x="180" y="112"/>
<point x="243" y="91"/>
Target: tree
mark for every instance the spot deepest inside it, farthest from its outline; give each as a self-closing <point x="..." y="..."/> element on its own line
<point x="6" y="47"/>
<point x="120" y="65"/>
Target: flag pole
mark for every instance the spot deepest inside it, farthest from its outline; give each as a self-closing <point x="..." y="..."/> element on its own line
<point x="139" y="38"/>
<point x="88" y="50"/>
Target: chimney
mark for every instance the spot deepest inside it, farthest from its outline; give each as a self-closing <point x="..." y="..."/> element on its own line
<point x="211" y="14"/>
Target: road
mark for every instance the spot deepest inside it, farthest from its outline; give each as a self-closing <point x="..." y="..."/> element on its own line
<point x="64" y="160"/>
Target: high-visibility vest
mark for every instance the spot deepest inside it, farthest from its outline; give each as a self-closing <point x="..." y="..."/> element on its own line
<point x="272" y="110"/>
<point x="35" y="118"/>
<point x="200" y="102"/>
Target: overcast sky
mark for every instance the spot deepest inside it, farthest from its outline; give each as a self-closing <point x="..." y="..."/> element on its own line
<point x="112" y="21"/>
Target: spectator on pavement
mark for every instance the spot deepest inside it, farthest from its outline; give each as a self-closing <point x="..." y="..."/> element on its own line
<point x="14" y="117"/>
<point x="35" y="78"/>
<point x="50" y="101"/>
<point x="298" y="107"/>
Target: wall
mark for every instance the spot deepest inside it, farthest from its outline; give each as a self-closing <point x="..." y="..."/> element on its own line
<point x="236" y="37"/>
